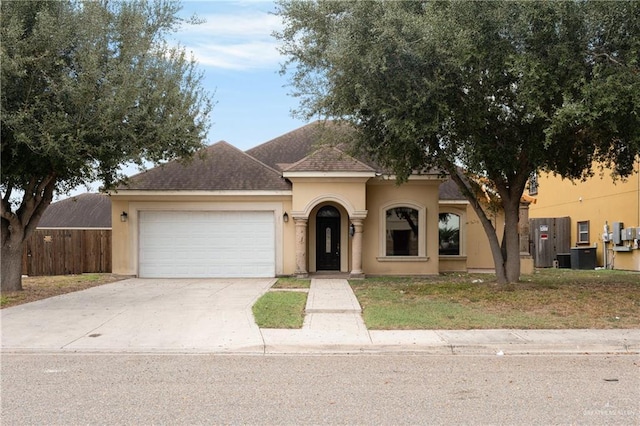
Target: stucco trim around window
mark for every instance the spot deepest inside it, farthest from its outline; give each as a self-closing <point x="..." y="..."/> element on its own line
<point x="402" y="259"/>
<point x="462" y="215"/>
<point x="382" y="232"/>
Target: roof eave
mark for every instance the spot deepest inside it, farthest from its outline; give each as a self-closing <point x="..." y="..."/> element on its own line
<point x="328" y="174"/>
<point x="198" y="193"/>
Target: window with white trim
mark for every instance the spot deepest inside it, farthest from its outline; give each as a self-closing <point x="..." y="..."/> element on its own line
<point x="402" y="231"/>
<point x="583" y="232"/>
<point x="449" y="234"/>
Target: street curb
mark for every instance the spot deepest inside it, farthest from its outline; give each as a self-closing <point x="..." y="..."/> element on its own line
<point x="480" y="350"/>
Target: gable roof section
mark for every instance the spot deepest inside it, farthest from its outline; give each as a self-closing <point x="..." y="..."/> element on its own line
<point x="328" y="159"/>
<point x="449" y="190"/>
<point x="285" y="150"/>
<point x="81" y="211"/>
<point x="218" y="167"/>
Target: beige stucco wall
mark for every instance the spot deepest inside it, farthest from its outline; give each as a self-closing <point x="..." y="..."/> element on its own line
<point x="478" y="249"/>
<point x="419" y="194"/>
<point x="310" y="193"/>
<point x="475" y="252"/>
<point x="355" y="197"/>
<point x="125" y="234"/>
<point x="597" y="200"/>
<point x="349" y="192"/>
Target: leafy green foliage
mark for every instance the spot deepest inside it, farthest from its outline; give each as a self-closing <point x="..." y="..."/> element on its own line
<point x="86" y="88"/>
<point x="89" y="86"/>
<point x="488" y="92"/>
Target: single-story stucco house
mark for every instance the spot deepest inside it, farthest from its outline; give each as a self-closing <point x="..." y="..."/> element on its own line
<point x="295" y="205"/>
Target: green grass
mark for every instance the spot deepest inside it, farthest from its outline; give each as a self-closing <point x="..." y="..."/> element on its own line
<point x="551" y="298"/>
<point x="289" y="283"/>
<point x="280" y="309"/>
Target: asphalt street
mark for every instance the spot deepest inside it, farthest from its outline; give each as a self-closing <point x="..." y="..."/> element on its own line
<point x="84" y="388"/>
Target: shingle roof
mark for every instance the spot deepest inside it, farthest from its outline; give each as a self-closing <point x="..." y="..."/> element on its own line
<point x="220" y="166"/>
<point x="292" y="147"/>
<point x="329" y="159"/>
<point x="81" y="211"/>
<point x="448" y="190"/>
<point x="322" y="146"/>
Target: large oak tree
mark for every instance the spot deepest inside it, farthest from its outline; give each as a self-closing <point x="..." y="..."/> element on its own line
<point x="87" y="87"/>
<point x="489" y="92"/>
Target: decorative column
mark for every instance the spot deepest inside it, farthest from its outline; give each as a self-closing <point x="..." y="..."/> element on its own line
<point x="301" y="247"/>
<point x="356" y="250"/>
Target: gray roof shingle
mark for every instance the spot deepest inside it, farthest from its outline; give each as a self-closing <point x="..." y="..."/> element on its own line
<point x="81" y="211"/>
<point x="220" y="166"/>
<point x="448" y="190"/>
<point x="329" y="159"/>
<point x="293" y="146"/>
<point x="322" y="146"/>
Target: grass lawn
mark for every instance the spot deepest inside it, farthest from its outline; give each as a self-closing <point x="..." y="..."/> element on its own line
<point x="280" y="309"/>
<point x="36" y="288"/>
<point x="292" y="283"/>
<point x="550" y="299"/>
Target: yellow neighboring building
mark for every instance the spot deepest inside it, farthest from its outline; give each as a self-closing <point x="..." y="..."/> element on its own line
<point x="604" y="214"/>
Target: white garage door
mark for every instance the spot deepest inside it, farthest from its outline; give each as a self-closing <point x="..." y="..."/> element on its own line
<point x="208" y="244"/>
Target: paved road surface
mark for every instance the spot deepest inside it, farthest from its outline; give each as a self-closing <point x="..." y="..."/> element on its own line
<point x="70" y="389"/>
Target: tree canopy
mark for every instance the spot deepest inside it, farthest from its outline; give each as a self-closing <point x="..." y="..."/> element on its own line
<point x="87" y="87"/>
<point x="489" y="92"/>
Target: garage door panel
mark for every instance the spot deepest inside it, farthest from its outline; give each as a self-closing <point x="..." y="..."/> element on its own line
<point x="206" y="244"/>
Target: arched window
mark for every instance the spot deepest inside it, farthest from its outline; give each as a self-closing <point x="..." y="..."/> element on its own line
<point x="449" y="234"/>
<point x="402" y="232"/>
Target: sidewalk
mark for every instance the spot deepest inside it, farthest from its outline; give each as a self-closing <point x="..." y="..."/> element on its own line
<point x="333" y="324"/>
<point x="215" y="316"/>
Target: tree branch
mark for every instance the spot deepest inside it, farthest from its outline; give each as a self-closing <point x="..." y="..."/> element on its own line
<point x="43" y="199"/>
<point x="610" y="58"/>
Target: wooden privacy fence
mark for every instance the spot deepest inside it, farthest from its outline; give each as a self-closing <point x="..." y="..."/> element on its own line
<point x="67" y="251"/>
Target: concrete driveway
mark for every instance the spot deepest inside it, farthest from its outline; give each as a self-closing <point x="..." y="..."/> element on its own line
<point x="142" y="315"/>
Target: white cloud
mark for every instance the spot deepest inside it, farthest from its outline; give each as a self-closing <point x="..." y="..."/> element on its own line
<point x="238" y="41"/>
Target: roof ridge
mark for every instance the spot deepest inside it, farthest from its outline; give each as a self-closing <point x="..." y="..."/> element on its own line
<point x="258" y="161"/>
<point x="329" y="147"/>
<point x="313" y="123"/>
<point x="354" y="158"/>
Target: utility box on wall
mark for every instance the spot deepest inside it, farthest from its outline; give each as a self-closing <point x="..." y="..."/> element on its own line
<point x="550" y="237"/>
<point x="617" y="232"/>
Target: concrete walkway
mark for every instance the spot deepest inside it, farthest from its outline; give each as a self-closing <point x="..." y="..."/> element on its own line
<point x="214" y="316"/>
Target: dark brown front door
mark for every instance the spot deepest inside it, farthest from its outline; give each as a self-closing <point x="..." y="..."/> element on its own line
<point x="328" y="239"/>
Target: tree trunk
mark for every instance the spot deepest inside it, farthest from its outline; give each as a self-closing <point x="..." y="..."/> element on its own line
<point x="11" y="267"/>
<point x="489" y="229"/>
<point x="512" y="240"/>
<point x="11" y="251"/>
<point x="17" y="227"/>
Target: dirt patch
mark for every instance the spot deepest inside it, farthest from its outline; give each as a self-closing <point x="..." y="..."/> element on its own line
<point x="37" y="288"/>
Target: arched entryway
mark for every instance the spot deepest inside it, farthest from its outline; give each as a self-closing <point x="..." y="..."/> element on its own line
<point x="341" y="246"/>
<point x="328" y="238"/>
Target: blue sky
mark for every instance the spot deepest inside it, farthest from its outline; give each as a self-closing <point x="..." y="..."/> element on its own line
<point x="240" y="62"/>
